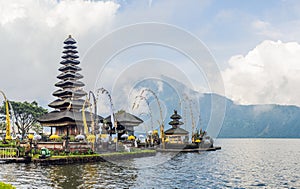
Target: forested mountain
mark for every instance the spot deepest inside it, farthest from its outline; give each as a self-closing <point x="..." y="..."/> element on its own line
<point x="266" y="121"/>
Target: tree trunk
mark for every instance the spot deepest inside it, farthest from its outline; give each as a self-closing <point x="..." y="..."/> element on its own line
<point x="23" y="132"/>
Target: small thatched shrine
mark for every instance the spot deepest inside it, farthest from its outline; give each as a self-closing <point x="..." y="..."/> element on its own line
<point x="176" y="135"/>
<point x="125" y="123"/>
<point x="67" y="117"/>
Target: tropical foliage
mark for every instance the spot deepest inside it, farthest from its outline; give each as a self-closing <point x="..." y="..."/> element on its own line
<point x="26" y="115"/>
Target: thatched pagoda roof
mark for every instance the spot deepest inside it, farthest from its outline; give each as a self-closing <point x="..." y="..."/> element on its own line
<point x="70" y="61"/>
<point x="59" y="103"/>
<point x="175" y="115"/>
<point x="176" y="131"/>
<point x="70" y="51"/>
<point x="67" y="116"/>
<point x="69" y="83"/>
<point x="69" y="56"/>
<point x="69" y="41"/>
<point x="69" y="68"/>
<point x="70" y="47"/>
<point x="69" y="93"/>
<point x="69" y="74"/>
<point x="175" y="122"/>
<point x="125" y="119"/>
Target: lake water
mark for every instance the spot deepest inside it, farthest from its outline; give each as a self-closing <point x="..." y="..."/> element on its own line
<point x="242" y="163"/>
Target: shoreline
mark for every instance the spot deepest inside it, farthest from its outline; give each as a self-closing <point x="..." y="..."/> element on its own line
<point x="103" y="157"/>
<point x="63" y="160"/>
<point x="189" y="150"/>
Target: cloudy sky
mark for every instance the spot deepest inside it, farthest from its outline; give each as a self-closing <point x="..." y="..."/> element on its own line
<point x="255" y="44"/>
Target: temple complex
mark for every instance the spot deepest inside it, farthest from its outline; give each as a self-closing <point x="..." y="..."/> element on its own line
<point x="176" y="135"/>
<point x="67" y="117"/>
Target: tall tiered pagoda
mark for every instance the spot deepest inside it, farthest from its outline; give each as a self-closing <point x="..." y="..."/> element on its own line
<point x="176" y="134"/>
<point x="67" y="116"/>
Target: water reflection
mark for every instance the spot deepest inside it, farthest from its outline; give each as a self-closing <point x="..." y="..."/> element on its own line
<point x="91" y="175"/>
<point x="66" y="176"/>
<point x="242" y="163"/>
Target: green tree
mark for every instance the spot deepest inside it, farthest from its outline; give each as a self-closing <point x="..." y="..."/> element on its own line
<point x="26" y="115"/>
<point x="37" y="127"/>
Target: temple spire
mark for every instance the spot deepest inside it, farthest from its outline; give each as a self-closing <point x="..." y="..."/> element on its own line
<point x="70" y="92"/>
<point x="175" y="123"/>
<point x="67" y="117"/>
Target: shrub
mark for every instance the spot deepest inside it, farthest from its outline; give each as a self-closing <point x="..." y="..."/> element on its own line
<point x="62" y="153"/>
<point x="6" y="186"/>
<point x="72" y="138"/>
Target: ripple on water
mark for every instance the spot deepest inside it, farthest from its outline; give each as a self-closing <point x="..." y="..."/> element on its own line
<point x="242" y="163"/>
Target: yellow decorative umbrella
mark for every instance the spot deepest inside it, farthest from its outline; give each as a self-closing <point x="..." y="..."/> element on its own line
<point x="30" y="136"/>
<point x="54" y="137"/>
<point x="91" y="138"/>
<point x="131" y="137"/>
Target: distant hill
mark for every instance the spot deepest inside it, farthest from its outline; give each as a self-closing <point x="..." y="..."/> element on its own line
<point x="255" y="121"/>
<point x="241" y="121"/>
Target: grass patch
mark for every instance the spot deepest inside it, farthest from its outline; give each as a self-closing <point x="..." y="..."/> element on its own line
<point x="107" y="155"/>
<point x="125" y="153"/>
<point x="7" y="145"/>
<point x="104" y="155"/>
<point x="8" y="153"/>
<point x="71" y="156"/>
<point x="6" y="186"/>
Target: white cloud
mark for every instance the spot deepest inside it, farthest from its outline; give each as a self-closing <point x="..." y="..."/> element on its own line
<point x="257" y="110"/>
<point x="81" y="16"/>
<point x="160" y="86"/>
<point x="267" y="74"/>
<point x="32" y="34"/>
<point x="9" y="12"/>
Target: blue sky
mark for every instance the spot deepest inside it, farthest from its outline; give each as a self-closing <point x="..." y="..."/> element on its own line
<point x="225" y="26"/>
<point x="254" y="43"/>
